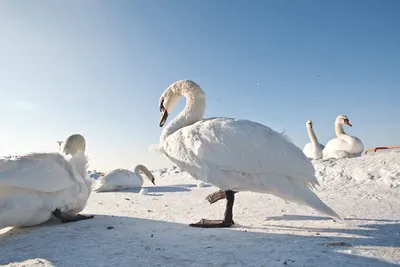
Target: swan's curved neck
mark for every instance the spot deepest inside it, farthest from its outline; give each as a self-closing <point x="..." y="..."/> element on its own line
<point x="339" y="129"/>
<point x="192" y="113"/>
<point x="311" y="134"/>
<point x="141" y="168"/>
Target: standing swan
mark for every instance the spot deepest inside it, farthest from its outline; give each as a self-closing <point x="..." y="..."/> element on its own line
<point x="233" y="154"/>
<point x="36" y="186"/>
<point x="124" y="179"/>
<point x="344" y="145"/>
<point x="312" y="150"/>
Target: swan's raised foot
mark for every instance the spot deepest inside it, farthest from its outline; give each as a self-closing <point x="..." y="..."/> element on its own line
<point x="204" y="223"/>
<point x="217" y="196"/>
<point x="67" y="218"/>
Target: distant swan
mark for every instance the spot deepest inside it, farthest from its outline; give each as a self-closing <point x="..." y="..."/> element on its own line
<point x="36" y="186"/>
<point x="234" y="154"/>
<point x="312" y="150"/>
<point x="124" y="179"/>
<point x="344" y="145"/>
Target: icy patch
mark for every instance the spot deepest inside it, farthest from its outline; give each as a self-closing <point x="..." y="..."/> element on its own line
<point x="201" y="184"/>
<point x="143" y="191"/>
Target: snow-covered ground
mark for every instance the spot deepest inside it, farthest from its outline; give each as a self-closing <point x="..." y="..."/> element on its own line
<point x="130" y="229"/>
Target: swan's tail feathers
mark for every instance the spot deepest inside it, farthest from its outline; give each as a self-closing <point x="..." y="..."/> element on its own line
<point x="80" y="163"/>
<point x="312" y="200"/>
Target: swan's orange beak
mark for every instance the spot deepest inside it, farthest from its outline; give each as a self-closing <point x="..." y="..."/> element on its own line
<point x="153" y="181"/>
<point x="346" y="121"/>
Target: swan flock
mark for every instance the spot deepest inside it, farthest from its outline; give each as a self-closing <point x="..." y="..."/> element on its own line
<point x="232" y="154"/>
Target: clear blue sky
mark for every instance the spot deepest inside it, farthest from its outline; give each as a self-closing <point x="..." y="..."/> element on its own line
<point x="98" y="68"/>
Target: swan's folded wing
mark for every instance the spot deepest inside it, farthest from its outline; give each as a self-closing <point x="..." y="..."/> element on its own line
<point x="121" y="177"/>
<point x="240" y="146"/>
<point x="38" y="172"/>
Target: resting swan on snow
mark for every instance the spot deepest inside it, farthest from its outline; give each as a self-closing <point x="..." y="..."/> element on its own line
<point x="234" y="154"/>
<point x="344" y="145"/>
<point x="124" y="179"/>
<point x="312" y="150"/>
<point x="36" y="186"/>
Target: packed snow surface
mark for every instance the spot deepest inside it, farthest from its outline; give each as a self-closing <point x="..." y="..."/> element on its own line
<point x="131" y="229"/>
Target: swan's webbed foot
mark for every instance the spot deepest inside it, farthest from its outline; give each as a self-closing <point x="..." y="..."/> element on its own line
<point x="217" y="196"/>
<point x="70" y="218"/>
<point x="204" y="223"/>
<point x="228" y="219"/>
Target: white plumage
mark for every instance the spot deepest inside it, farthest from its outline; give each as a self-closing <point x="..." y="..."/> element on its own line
<point x="312" y="150"/>
<point x="234" y="154"/>
<point x="344" y="145"/>
<point x="124" y="179"/>
<point x="34" y="186"/>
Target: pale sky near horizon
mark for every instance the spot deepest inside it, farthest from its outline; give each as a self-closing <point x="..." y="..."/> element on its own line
<point x="98" y="68"/>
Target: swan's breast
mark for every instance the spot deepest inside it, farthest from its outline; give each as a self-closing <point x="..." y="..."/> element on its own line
<point x="352" y="143"/>
<point x="75" y="199"/>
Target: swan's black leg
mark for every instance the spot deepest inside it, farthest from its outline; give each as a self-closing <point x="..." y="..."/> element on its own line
<point x="217" y="196"/>
<point x="67" y="218"/>
<point x="228" y="219"/>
